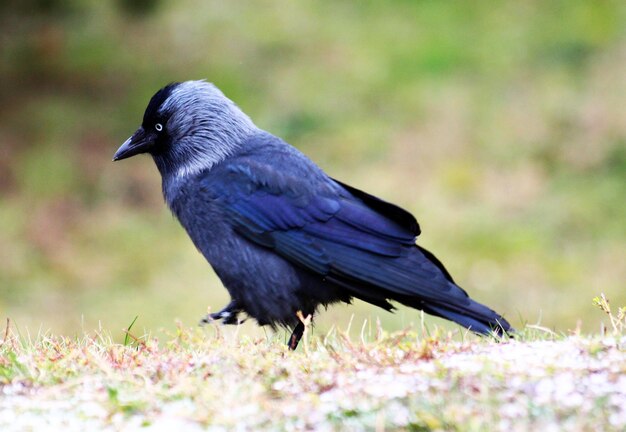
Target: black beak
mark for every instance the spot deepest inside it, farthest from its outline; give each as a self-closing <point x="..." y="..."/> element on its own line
<point x="140" y="142"/>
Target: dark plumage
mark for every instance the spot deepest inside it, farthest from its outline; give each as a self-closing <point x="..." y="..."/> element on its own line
<point x="280" y="233"/>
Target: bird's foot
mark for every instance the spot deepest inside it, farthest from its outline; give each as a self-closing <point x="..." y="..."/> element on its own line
<point x="229" y="315"/>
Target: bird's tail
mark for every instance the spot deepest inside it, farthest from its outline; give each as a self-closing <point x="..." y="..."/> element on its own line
<point x="472" y="315"/>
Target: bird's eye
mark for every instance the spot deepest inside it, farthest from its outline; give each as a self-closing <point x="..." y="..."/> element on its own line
<point x="158" y="127"/>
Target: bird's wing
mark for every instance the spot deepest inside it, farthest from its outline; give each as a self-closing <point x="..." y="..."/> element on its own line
<point x="330" y="229"/>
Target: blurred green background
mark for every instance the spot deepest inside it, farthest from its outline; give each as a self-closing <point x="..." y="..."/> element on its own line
<point x="500" y="125"/>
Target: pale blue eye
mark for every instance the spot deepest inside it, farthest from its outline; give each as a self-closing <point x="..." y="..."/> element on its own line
<point x="158" y="127"/>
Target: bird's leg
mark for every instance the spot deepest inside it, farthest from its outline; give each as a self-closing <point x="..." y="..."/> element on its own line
<point x="228" y="315"/>
<point x="296" y="335"/>
<point x="299" y="329"/>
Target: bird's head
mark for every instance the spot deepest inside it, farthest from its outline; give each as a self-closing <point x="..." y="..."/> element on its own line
<point x="188" y="127"/>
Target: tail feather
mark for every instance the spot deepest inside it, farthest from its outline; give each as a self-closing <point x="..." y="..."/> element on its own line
<point x="474" y="316"/>
<point x="418" y="280"/>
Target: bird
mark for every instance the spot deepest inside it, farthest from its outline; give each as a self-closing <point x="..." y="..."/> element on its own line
<point x="284" y="237"/>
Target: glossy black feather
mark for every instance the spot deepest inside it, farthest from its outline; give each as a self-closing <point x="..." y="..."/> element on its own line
<point x="152" y="114"/>
<point x="345" y="243"/>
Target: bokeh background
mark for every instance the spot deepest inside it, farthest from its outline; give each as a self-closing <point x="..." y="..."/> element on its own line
<point x="502" y="126"/>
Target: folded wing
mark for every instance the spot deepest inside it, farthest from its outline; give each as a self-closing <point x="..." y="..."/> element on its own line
<point x="350" y="238"/>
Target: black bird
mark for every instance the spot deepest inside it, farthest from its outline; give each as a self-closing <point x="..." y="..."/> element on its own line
<point x="280" y="233"/>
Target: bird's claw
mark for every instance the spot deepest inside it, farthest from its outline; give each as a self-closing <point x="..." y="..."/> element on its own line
<point x="228" y="317"/>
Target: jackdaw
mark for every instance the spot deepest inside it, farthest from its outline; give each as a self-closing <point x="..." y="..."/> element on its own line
<point x="283" y="236"/>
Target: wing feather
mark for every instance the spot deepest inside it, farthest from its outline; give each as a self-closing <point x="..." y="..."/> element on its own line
<point x="329" y="231"/>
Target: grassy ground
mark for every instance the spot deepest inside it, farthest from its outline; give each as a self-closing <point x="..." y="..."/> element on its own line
<point x="414" y="380"/>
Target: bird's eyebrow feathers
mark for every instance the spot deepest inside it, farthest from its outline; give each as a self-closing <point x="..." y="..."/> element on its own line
<point x="152" y="110"/>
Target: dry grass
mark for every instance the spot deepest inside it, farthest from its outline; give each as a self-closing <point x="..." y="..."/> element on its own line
<point x="407" y="381"/>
